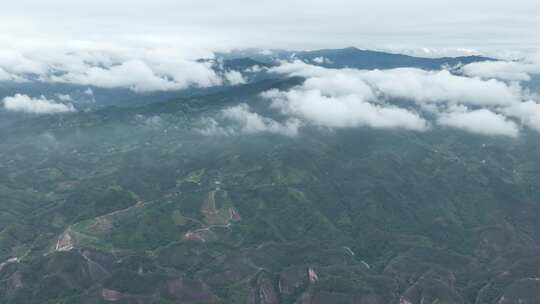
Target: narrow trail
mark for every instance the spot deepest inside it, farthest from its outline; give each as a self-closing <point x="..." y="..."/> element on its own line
<point x="209" y="206"/>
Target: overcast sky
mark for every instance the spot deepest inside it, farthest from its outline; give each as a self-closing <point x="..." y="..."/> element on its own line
<point x="301" y="24"/>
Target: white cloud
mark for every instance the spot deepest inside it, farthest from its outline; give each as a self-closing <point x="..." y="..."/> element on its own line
<point x="418" y="85"/>
<point x="240" y="119"/>
<point x="235" y="78"/>
<point x="513" y="71"/>
<point x="251" y="122"/>
<point x="345" y="111"/>
<point x="439" y="87"/>
<point x="339" y="99"/>
<point x="41" y="105"/>
<point x="299" y="68"/>
<point x="319" y="60"/>
<point x="505" y="70"/>
<point x="339" y="84"/>
<point x="14" y="62"/>
<point x="139" y="76"/>
<point x="140" y="65"/>
<point x="255" y="69"/>
<point x="527" y="112"/>
<point x="134" y="74"/>
<point x="64" y="97"/>
<point x="482" y="121"/>
<point x="437" y="52"/>
<point x="322" y="60"/>
<point x="348" y="98"/>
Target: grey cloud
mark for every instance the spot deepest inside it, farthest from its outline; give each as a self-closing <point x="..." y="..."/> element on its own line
<point x="293" y="23"/>
<point x="4" y="75"/>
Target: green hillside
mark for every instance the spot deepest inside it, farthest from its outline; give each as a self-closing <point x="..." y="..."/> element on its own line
<point x="136" y="205"/>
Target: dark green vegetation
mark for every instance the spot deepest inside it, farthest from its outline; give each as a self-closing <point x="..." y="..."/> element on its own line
<point x="135" y="206"/>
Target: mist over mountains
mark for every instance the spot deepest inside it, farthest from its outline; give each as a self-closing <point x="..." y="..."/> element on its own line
<point x="268" y="176"/>
<point x="358" y="87"/>
<point x="269" y="152"/>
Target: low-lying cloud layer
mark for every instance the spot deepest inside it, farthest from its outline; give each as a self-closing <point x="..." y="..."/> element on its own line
<point x="41" y="105"/>
<point x="484" y="98"/>
<point x="345" y="111"/>
<point x="140" y="68"/>
<point x="404" y="98"/>
<point x="414" y="84"/>
<point x="240" y="119"/>
<point x="235" y="78"/>
<point x="506" y="70"/>
<point x="481" y="121"/>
